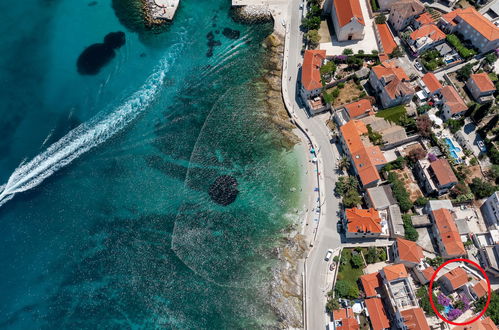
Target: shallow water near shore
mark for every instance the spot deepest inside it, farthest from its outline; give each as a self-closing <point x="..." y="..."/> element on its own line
<point x="110" y="224"/>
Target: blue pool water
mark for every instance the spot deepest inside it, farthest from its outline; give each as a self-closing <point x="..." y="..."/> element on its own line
<point x="447" y="309"/>
<point x="453" y="149"/>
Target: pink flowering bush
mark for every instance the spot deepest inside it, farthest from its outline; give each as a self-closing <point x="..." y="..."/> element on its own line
<point x="454" y="314"/>
<point x="443" y="300"/>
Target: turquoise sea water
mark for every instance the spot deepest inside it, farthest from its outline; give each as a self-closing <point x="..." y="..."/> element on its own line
<point x="110" y="224"/>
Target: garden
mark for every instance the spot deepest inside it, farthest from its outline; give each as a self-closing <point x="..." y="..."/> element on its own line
<point x="350" y="270"/>
<point x="453" y="307"/>
<point x="344" y="93"/>
<point x="463" y="51"/>
<point x="394" y="114"/>
<point x="432" y="60"/>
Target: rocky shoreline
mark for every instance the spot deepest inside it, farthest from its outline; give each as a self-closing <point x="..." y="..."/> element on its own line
<point x="285" y="290"/>
<point x="251" y="14"/>
<point x="276" y="111"/>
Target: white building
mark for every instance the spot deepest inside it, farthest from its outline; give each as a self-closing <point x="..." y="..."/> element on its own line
<point x="348" y="20"/>
<point x="490" y="209"/>
<point x="403" y="12"/>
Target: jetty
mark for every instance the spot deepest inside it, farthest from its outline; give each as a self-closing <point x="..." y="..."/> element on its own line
<point x="278" y="9"/>
<point x="159" y="11"/>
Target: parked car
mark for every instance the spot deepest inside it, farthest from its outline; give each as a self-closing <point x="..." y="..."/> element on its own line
<point x="328" y="254"/>
<point x="481" y="145"/>
<point x="418" y="66"/>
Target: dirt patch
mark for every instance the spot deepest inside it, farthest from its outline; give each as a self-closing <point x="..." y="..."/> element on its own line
<point x="410" y="184"/>
<point x="348" y="94"/>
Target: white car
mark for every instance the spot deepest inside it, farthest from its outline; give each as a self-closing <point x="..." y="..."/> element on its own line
<point x="328" y="254"/>
<point x="418" y="66"/>
<point x="481" y="145"/>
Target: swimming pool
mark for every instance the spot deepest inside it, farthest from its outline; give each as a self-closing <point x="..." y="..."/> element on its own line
<point x="453" y="149"/>
<point x="447" y="309"/>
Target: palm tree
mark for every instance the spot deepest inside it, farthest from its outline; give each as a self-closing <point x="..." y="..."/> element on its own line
<point x="344" y="163"/>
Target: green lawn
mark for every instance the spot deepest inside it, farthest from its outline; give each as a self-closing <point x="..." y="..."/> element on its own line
<point x="392" y="114"/>
<point x="347" y="272"/>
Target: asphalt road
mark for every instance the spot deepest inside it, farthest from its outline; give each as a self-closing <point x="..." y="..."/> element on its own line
<point x="327" y="235"/>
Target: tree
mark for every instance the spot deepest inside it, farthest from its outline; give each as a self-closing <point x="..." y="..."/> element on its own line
<point x="313" y="38"/>
<point x="416" y="154"/>
<point x="422" y="294"/>
<point x="380" y="19"/>
<point x="357" y="261"/>
<point x="465" y="72"/>
<point x="493" y="173"/>
<point x="421" y="201"/>
<point x="355" y="62"/>
<point x="396" y="52"/>
<point x="375" y="137"/>
<point x="332" y="305"/>
<point x="371" y="255"/>
<point x="400" y="192"/>
<point x="347" y="51"/>
<point x="490" y="58"/>
<point x="311" y="23"/>
<point x="455" y="125"/>
<point x="328" y="69"/>
<point x="344" y="163"/>
<point x="351" y="198"/>
<point x="482" y="189"/>
<point x="424" y="124"/>
<point x="346" y="289"/>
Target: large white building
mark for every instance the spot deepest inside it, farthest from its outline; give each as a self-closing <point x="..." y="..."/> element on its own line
<point x="490" y="209"/>
<point x="348" y="20"/>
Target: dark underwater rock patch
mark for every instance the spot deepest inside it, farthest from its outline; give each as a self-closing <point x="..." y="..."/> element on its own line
<point x="96" y="56"/>
<point x="231" y="34"/>
<point x="212" y="43"/>
<point x="92" y="3"/>
<point x="224" y="190"/>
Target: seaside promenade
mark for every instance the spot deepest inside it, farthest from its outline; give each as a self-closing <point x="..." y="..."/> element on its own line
<point x="325" y="235"/>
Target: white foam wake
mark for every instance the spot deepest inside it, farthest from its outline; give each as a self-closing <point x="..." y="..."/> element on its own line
<point x="84" y="137"/>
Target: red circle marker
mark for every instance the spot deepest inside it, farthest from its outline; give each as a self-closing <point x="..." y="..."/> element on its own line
<point x="430" y="290"/>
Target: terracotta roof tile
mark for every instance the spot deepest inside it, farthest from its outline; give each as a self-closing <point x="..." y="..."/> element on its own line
<point x="407" y="8"/>
<point x="409" y="250"/>
<point x="483" y="82"/>
<point x="443" y="172"/>
<point x="359" y="108"/>
<point x="429" y="30"/>
<point x="425" y="18"/>
<point x="361" y="220"/>
<point x="484" y="324"/>
<point x="347" y="319"/>
<point x="448" y="232"/>
<point x="476" y="20"/>
<point x="453" y="100"/>
<point x="370" y="282"/>
<point x="394" y="77"/>
<point x="364" y="159"/>
<point x="428" y="272"/>
<point x="457" y="277"/>
<point x="310" y="71"/>
<point x="431" y="81"/>
<point x="414" y="319"/>
<point x="348" y="10"/>
<point x="377" y="314"/>
<point x="387" y="41"/>
<point x="481" y="288"/>
<point x="394" y="272"/>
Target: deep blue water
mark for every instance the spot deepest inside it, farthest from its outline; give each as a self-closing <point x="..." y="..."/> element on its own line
<point x="110" y="224"/>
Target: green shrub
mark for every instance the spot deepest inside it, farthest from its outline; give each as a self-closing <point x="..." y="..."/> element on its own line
<point x="400" y="192"/>
<point x="346" y="289"/>
<point x="410" y="232"/>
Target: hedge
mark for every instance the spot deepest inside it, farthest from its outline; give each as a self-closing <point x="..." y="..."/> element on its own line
<point x="456" y="43"/>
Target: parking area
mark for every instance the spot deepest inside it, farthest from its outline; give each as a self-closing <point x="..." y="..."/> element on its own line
<point x="335" y="47"/>
<point x="469" y="132"/>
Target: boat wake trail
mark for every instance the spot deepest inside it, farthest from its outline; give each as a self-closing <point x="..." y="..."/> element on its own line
<point x="85" y="137"/>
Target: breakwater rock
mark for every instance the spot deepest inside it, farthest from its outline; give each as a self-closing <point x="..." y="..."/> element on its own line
<point x="251" y="14"/>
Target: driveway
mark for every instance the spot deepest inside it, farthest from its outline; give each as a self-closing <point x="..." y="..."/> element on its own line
<point x="469" y="131"/>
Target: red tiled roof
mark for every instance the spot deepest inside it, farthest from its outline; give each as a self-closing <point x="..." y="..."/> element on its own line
<point x="394" y="272"/>
<point x="414" y="319"/>
<point x="310" y="71"/>
<point x="359" y="108"/>
<point x="453" y="100"/>
<point x="485" y="324"/>
<point x="457" y="277"/>
<point x="448" y="232"/>
<point x="347" y="10"/>
<point x="387" y="41"/>
<point x="443" y="172"/>
<point x="370" y="282"/>
<point x="347" y="319"/>
<point x="481" y="288"/>
<point x="429" y="30"/>
<point x="394" y="77"/>
<point x="431" y="81"/>
<point x="476" y="20"/>
<point x="409" y="250"/>
<point x="483" y="82"/>
<point x="360" y="220"/>
<point x="377" y="314"/>
<point x="428" y="272"/>
<point x="425" y="18"/>
<point x="364" y="159"/>
<point x="407" y="8"/>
